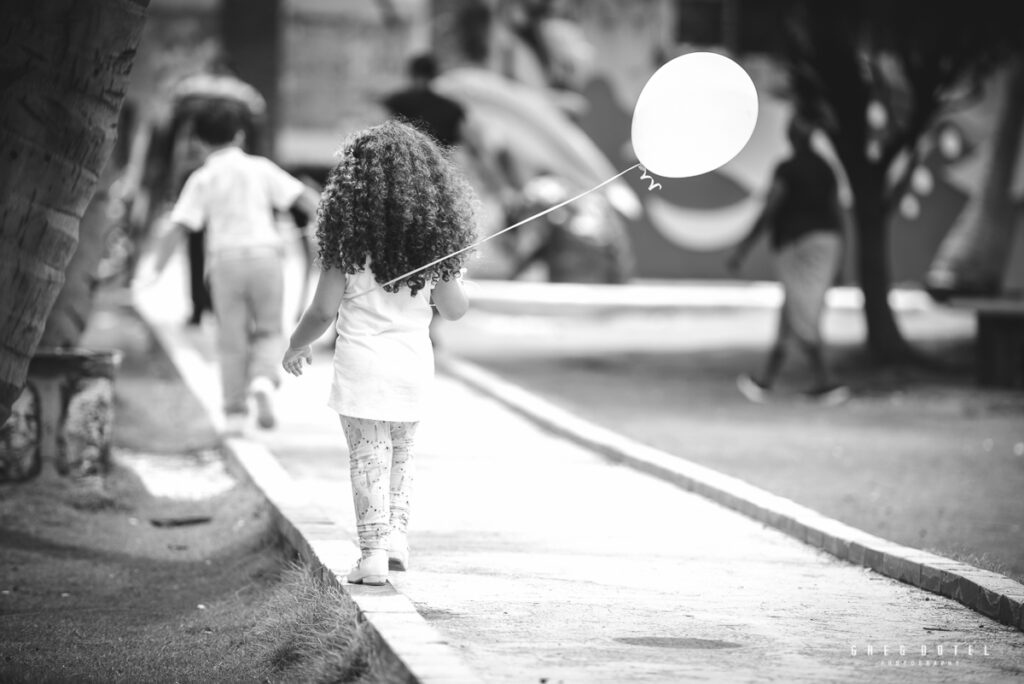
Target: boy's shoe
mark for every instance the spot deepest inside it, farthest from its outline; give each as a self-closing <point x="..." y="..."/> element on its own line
<point x="235" y="424"/>
<point x="752" y="389"/>
<point x="829" y="395"/>
<point x="371" y="569"/>
<point x="398" y="551"/>
<point x="262" y="390"/>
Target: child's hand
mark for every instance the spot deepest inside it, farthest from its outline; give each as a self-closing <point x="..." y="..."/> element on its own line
<point x="144" y="280"/>
<point x="293" y="359"/>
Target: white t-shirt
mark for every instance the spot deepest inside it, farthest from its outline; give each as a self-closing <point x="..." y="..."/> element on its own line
<point x="383" y="357"/>
<point x="234" y="195"/>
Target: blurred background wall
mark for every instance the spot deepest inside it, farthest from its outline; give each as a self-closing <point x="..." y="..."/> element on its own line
<point x="324" y="65"/>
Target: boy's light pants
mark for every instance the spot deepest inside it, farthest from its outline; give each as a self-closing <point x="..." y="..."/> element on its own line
<point x="248" y="297"/>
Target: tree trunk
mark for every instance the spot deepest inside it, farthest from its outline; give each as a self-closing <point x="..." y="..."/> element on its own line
<point x="71" y="310"/>
<point x="973" y="256"/>
<point x="885" y="342"/>
<point x="64" y="68"/>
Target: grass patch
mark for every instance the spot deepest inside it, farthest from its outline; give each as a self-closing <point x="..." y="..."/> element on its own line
<point x="309" y="631"/>
<point x="96" y="593"/>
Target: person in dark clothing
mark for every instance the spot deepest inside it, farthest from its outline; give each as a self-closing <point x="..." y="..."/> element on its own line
<point x="418" y="104"/>
<point x="436" y="115"/>
<point x="805" y="221"/>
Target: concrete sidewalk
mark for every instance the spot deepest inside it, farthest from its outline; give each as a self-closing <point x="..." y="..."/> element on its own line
<point x="535" y="559"/>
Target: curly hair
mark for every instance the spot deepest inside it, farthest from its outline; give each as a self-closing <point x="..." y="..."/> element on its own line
<point x="395" y="199"/>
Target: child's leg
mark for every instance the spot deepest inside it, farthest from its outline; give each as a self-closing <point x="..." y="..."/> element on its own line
<point x="402" y="438"/>
<point x="227" y="285"/>
<point x="201" y="300"/>
<point x="266" y="302"/>
<point x="369" y="445"/>
<point x="777" y="355"/>
<point x="266" y="336"/>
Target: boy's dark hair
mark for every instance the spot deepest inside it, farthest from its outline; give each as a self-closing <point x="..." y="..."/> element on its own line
<point x="218" y="122"/>
<point x="396" y="201"/>
<point x="423" y="66"/>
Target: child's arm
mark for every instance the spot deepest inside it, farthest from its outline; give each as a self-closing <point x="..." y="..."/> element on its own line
<point x="450" y="299"/>
<point x="189" y="213"/>
<point x="166" y="239"/>
<point x="307" y="203"/>
<point x="776" y="193"/>
<point x="319" y="315"/>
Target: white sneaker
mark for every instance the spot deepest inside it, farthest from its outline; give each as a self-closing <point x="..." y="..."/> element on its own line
<point x="752" y="389"/>
<point x="830" y="395"/>
<point x="398" y="551"/>
<point x="262" y="390"/>
<point x="235" y="424"/>
<point x="371" y="569"/>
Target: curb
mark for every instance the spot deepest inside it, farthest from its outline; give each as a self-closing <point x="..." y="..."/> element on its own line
<point x="661" y="296"/>
<point x="989" y="593"/>
<point x="412" y="650"/>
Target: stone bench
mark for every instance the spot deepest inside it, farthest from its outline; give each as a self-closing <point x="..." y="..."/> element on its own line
<point x="64" y="415"/>
<point x="999" y="341"/>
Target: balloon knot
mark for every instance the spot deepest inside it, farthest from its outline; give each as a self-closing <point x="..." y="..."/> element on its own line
<point x="653" y="185"/>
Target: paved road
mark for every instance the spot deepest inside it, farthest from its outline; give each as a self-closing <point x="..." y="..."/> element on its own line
<point x="540" y="561"/>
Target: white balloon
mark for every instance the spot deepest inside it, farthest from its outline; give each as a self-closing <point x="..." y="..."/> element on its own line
<point x="693" y="115"/>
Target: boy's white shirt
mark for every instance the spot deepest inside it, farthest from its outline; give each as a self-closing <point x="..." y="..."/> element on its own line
<point x="233" y="195"/>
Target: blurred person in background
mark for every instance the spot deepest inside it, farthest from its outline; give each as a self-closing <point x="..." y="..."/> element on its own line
<point x="447" y="122"/>
<point x="192" y="95"/>
<point x="582" y="242"/>
<point x="436" y="115"/>
<point x="451" y="124"/>
<point x="418" y="104"/>
<point x="233" y="195"/>
<point x="165" y="153"/>
<point x="805" y="223"/>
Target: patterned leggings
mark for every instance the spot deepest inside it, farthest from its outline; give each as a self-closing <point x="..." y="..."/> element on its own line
<point x="380" y="464"/>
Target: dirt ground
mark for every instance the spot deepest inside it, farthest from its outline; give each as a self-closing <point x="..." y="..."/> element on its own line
<point x="94" y="591"/>
<point x="170" y="569"/>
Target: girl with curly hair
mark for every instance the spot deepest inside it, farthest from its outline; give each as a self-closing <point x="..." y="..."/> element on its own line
<point x="393" y="203"/>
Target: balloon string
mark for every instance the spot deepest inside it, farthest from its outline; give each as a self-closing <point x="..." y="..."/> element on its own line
<point x="653" y="185"/>
<point x="505" y="230"/>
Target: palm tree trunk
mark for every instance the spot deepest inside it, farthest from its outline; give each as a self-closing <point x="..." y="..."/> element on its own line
<point x="64" y="69"/>
<point x="70" y="312"/>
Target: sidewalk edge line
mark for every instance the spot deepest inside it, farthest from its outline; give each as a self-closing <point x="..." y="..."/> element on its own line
<point x="413" y="649"/>
<point x="417" y="651"/>
<point x="988" y="593"/>
<point x="644" y="295"/>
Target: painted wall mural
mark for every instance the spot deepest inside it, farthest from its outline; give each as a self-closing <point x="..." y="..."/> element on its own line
<point x="594" y="57"/>
<point x="561" y="79"/>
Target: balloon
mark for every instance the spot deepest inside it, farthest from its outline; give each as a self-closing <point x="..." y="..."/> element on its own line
<point x="693" y="115"/>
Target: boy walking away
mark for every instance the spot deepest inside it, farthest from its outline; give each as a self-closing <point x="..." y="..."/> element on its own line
<point x="234" y="195"/>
